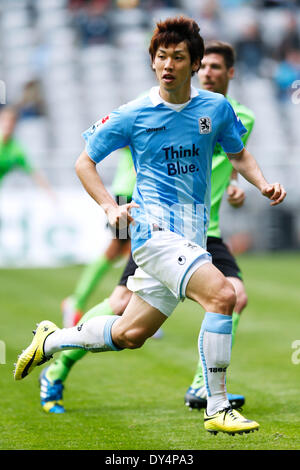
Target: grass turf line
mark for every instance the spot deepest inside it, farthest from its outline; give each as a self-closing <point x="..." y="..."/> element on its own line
<point x="133" y="400"/>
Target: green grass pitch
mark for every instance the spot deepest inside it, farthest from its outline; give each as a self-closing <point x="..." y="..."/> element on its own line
<point x="133" y="400"/>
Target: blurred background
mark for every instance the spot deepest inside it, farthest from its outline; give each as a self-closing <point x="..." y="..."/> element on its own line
<point x="67" y="63"/>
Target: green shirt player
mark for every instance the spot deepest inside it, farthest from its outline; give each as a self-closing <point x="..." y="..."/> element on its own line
<point x="216" y="71"/>
<point x="12" y="155"/>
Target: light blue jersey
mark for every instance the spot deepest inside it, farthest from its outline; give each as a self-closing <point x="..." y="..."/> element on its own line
<point x="172" y="154"/>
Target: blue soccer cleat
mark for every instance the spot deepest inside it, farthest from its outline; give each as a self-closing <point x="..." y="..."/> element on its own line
<point x="51" y="394"/>
<point x="195" y="398"/>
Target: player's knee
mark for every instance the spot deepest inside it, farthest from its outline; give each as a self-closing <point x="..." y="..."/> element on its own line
<point x="124" y="301"/>
<point x="120" y="299"/>
<point x="229" y="297"/>
<point x="225" y="300"/>
<point x="122" y="304"/>
<point x="241" y="302"/>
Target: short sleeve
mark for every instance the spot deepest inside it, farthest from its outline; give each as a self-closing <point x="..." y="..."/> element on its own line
<point x="231" y="130"/>
<point x="248" y="122"/>
<point x="107" y="135"/>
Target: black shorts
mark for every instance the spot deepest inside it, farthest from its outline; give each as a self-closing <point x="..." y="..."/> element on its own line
<point x="128" y="271"/>
<point x="222" y="258"/>
<point x="123" y="199"/>
<point x="122" y="235"/>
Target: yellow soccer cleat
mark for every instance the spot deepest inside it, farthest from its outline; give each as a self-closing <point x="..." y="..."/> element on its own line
<point x="229" y="421"/>
<point x="34" y="355"/>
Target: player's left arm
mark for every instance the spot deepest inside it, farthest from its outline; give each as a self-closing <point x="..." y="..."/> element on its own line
<point x="246" y="165"/>
<point x="235" y="194"/>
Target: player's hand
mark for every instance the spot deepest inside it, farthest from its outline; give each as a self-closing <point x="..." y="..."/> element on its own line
<point x="236" y="195"/>
<point x="275" y="192"/>
<point x="119" y="216"/>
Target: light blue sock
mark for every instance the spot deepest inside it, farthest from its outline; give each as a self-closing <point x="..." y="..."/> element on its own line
<point x="215" y="351"/>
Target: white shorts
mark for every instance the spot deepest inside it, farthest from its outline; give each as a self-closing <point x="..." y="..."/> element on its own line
<point x="166" y="263"/>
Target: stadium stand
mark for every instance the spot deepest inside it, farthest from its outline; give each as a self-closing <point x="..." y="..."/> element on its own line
<point x="86" y="68"/>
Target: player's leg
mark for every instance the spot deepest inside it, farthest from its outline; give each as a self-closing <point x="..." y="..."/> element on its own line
<point x="96" y="333"/>
<point x="195" y="396"/>
<point x="114" y="305"/>
<point x="224" y="260"/>
<point x="215" y="293"/>
<point x="52" y="378"/>
<point x="211" y="289"/>
<point x="241" y="303"/>
<point x="186" y="269"/>
<point x="139" y="321"/>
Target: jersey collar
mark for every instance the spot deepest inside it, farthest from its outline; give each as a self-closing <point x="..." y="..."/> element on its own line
<point x="156" y="99"/>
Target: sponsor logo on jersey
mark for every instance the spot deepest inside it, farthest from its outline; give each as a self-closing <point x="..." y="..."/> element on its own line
<point x="172" y="154"/>
<point x="99" y="123"/>
<point x="156" y="129"/>
<point x="181" y="165"/>
<point x="205" y="125"/>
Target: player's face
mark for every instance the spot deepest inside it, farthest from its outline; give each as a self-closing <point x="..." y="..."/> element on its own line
<point x="214" y="75"/>
<point x="173" y="69"/>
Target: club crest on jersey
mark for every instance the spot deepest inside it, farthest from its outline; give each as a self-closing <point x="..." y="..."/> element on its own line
<point x="205" y="125"/>
<point x="98" y="124"/>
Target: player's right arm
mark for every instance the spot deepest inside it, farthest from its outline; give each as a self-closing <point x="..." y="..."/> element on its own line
<point x="104" y="137"/>
<point x="87" y="173"/>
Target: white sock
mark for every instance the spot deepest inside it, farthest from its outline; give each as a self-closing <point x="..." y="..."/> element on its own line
<point x="93" y="335"/>
<point x="215" y="351"/>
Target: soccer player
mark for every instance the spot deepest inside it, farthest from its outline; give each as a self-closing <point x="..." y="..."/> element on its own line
<point x="12" y="155"/>
<point x="215" y="73"/>
<point x="122" y="187"/>
<point x="171" y="133"/>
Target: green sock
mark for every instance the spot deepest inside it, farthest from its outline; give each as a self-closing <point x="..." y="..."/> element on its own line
<point x="61" y="367"/>
<point x="198" y="380"/>
<point x="89" y="279"/>
<point x="235" y="321"/>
